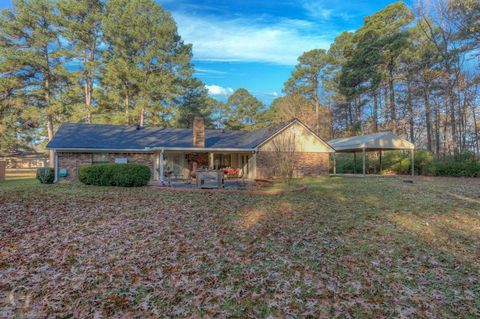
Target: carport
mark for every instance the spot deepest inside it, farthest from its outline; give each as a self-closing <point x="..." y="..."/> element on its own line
<point x="385" y="141"/>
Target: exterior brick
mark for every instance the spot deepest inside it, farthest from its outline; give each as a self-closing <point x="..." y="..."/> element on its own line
<point x="73" y="161"/>
<point x="306" y="164"/>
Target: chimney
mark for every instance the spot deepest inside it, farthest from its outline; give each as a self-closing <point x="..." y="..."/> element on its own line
<point x="198" y="132"/>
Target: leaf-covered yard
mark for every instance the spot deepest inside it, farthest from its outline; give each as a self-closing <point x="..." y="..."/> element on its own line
<point x="347" y="247"/>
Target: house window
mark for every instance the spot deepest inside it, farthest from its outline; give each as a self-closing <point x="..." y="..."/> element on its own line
<point x="222" y="160"/>
<point x="100" y="158"/>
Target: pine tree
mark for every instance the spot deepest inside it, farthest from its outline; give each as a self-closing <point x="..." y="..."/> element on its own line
<point x="31" y="62"/>
<point x="147" y="62"/>
<point x="81" y="20"/>
<point x="307" y="80"/>
<point x="242" y="111"/>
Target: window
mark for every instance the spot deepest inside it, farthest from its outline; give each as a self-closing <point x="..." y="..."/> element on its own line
<point x="222" y="160"/>
<point x="99" y="158"/>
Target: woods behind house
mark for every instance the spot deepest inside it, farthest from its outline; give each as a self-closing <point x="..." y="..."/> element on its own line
<point x="410" y="70"/>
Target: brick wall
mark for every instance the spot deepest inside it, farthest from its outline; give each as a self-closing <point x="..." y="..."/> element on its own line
<point x="72" y="161"/>
<point x="306" y="164"/>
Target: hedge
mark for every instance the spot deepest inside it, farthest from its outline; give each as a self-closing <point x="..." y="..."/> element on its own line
<point x="125" y="175"/>
<point x="46" y="175"/>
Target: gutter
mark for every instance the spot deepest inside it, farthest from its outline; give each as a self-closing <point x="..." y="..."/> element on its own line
<point x="153" y="149"/>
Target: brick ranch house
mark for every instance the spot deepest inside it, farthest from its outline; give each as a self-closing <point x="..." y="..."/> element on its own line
<point x="255" y="153"/>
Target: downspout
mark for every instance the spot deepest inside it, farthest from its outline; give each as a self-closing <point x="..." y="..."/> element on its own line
<point x="55" y="167"/>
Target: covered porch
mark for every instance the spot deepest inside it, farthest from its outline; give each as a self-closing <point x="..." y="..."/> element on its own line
<point x="180" y="166"/>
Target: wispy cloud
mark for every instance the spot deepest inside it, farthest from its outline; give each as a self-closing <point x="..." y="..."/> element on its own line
<point x="328" y="10"/>
<point x="216" y="90"/>
<point x="317" y="10"/>
<point x="278" y="41"/>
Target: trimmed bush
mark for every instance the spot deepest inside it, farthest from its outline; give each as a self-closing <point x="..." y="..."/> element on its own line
<point x="46" y="175"/>
<point x="125" y="175"/>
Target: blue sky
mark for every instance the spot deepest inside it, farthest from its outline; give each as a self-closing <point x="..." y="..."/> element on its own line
<point x="255" y="44"/>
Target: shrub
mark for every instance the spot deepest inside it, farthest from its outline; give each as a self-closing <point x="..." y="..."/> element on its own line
<point x="46" y="175"/>
<point x="458" y="166"/>
<point x="125" y="175"/>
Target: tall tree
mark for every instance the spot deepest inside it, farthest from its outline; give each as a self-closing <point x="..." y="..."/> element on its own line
<point x="307" y="80"/>
<point x="146" y="58"/>
<point x="385" y="33"/>
<point x="291" y="106"/>
<point x="466" y="16"/>
<point x="194" y="102"/>
<point x="242" y="111"/>
<point x="81" y="20"/>
<point x="437" y="25"/>
<point x="32" y="59"/>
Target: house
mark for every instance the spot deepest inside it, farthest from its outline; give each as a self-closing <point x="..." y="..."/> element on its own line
<point x="24" y="159"/>
<point x="179" y="151"/>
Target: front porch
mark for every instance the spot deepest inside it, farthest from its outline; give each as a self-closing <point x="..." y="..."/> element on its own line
<point x="180" y="167"/>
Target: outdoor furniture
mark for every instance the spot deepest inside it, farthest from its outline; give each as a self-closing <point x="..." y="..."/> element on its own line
<point x="210" y="178"/>
<point x="168" y="174"/>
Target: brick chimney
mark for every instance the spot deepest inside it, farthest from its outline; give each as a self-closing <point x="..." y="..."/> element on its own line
<point x="198" y="132"/>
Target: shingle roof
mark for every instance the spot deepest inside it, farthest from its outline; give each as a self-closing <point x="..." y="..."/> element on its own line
<point x="123" y="137"/>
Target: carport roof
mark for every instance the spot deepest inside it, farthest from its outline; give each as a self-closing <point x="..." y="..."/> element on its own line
<point x="371" y="142"/>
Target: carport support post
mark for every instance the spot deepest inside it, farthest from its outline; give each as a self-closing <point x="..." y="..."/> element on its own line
<point x="363" y="163"/>
<point x="412" y="152"/>
<point x="380" y="170"/>
<point x="162" y="163"/>
<point x="354" y="163"/>
<point x="334" y="163"/>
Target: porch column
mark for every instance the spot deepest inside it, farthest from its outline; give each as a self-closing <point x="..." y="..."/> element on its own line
<point x="156" y="167"/>
<point x="162" y="163"/>
<point x="363" y="163"/>
<point x="253" y="170"/>
<point x="413" y="161"/>
<point x="211" y="160"/>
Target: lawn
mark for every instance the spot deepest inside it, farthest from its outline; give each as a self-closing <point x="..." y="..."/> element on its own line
<point x="346" y="247"/>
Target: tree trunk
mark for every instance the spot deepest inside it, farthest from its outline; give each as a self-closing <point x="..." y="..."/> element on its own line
<point x="411" y="121"/>
<point x="126" y="104"/>
<point x="437" y="131"/>
<point x="317" y="105"/>
<point x="142" y="115"/>
<point x="387" y="108"/>
<point x="453" y="123"/>
<point x="51" y="154"/>
<point x="428" y="120"/>
<point x="392" y="101"/>
<point x="476" y="129"/>
<point x="375" y="112"/>
<point x="88" y="86"/>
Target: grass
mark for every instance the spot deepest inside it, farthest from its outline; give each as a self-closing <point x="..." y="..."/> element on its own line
<point x="346" y="247"/>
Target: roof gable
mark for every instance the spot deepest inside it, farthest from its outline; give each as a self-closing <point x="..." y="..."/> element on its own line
<point x="308" y="141"/>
